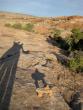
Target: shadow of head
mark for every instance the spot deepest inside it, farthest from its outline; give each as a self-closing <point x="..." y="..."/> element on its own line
<point x="17" y="45"/>
<point x="11" y="52"/>
<point x="14" y="51"/>
<point x="38" y="76"/>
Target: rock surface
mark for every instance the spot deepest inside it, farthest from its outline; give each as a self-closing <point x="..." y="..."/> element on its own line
<point x="41" y="57"/>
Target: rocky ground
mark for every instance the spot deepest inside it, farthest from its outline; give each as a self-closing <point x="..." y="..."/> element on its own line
<point x="14" y="47"/>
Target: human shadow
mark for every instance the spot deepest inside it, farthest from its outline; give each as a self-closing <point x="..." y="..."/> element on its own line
<point x="8" y="66"/>
<point x="38" y="76"/>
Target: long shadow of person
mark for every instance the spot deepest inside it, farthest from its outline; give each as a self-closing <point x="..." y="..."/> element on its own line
<point x="8" y="66"/>
<point x="38" y="76"/>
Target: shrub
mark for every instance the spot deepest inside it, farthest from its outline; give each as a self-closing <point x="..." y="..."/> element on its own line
<point x="17" y="26"/>
<point x="76" y="63"/>
<point x="28" y="27"/>
<point x="70" y="43"/>
<point x="59" y="40"/>
<point x="77" y="35"/>
<point x="8" y="25"/>
<point x="75" y="40"/>
<point x="56" y="33"/>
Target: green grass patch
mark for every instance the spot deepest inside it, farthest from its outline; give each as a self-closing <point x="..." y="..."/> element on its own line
<point x="17" y="26"/>
<point x="28" y="27"/>
<point x="76" y="63"/>
<point x="8" y="25"/>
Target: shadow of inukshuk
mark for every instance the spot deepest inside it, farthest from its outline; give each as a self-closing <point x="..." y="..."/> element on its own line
<point x="39" y="79"/>
<point x="8" y="66"/>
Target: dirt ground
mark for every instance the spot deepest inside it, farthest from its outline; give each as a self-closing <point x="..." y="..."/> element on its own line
<point x="21" y="53"/>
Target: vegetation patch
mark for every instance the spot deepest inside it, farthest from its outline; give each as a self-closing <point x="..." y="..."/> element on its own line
<point x="75" y="41"/>
<point x="76" y="63"/>
<point x="8" y="25"/>
<point x="72" y="44"/>
<point x="28" y="27"/>
<point x="17" y="26"/>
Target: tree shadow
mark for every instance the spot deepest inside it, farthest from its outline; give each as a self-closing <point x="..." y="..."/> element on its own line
<point x="38" y="76"/>
<point x="75" y="103"/>
<point x="80" y="45"/>
<point x="58" y="41"/>
<point x="8" y="66"/>
<point x="61" y="58"/>
<point x="63" y="55"/>
<point x="51" y="41"/>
